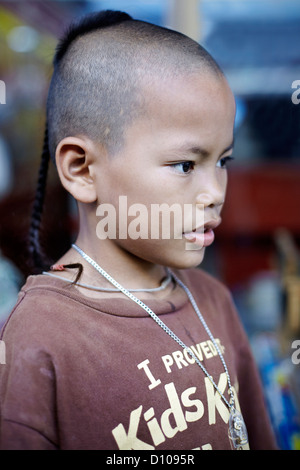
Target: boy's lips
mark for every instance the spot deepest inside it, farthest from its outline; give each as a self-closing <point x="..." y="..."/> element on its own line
<point x="204" y="235"/>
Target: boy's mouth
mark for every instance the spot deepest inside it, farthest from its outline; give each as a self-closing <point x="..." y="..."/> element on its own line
<point x="204" y="235"/>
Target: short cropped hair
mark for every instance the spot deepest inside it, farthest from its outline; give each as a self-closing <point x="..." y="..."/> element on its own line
<point x="96" y="84"/>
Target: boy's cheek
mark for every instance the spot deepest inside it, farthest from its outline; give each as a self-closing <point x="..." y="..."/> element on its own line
<point x="167" y="251"/>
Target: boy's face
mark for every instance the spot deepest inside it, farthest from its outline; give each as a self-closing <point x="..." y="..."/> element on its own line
<point x="174" y="154"/>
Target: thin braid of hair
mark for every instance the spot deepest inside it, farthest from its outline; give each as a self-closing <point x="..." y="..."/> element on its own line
<point x="38" y="258"/>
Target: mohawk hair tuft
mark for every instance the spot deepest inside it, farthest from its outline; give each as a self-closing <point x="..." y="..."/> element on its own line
<point x="89" y="23"/>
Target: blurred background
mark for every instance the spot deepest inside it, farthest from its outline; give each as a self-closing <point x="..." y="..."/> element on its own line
<point x="256" y="252"/>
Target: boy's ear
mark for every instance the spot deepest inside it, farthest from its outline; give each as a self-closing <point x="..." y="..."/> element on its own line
<point x="75" y="158"/>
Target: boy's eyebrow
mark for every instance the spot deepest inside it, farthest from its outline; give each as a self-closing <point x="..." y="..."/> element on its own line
<point x="197" y="150"/>
<point x="230" y="147"/>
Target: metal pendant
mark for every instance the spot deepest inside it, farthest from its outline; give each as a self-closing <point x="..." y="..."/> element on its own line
<point x="237" y="429"/>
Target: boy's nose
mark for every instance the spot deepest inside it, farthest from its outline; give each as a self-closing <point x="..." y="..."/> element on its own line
<point x="212" y="195"/>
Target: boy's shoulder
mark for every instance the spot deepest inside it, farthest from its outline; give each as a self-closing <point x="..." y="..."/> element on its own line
<point x="38" y="307"/>
<point x="47" y="317"/>
<point x="37" y="291"/>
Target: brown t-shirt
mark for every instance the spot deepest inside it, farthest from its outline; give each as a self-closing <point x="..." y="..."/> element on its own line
<point x="82" y="373"/>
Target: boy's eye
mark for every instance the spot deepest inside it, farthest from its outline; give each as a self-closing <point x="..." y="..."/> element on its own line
<point x="184" y="167"/>
<point x="222" y="163"/>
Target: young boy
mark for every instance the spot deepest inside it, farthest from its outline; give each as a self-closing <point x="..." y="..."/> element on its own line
<point x="143" y="351"/>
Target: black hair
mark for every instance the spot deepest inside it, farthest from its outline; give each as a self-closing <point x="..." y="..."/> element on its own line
<point x="89" y="23"/>
<point x="102" y="65"/>
<point x="38" y="259"/>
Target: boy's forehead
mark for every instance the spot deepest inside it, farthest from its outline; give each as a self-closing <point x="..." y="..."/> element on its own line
<point x="201" y="90"/>
<point x="192" y="112"/>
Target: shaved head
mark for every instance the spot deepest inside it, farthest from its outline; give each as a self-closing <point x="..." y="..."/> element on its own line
<point x="102" y="70"/>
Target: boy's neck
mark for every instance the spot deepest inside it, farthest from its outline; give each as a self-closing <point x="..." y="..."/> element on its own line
<point x="130" y="271"/>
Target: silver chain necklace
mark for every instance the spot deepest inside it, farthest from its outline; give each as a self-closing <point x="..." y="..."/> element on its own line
<point x="162" y="286"/>
<point x="237" y="428"/>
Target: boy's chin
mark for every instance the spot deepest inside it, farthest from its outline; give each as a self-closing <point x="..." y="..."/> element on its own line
<point x="176" y="256"/>
<point x="188" y="260"/>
